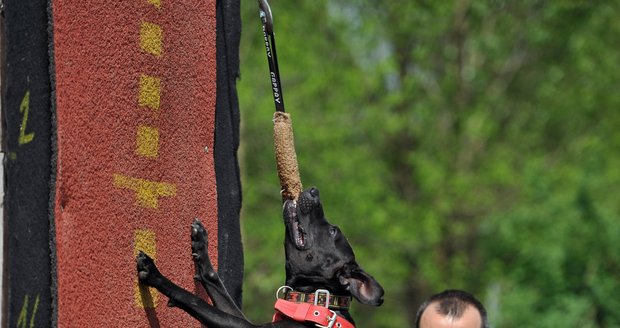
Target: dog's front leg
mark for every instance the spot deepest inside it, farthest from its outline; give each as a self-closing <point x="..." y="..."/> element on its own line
<point x="206" y="274"/>
<point x="149" y="275"/>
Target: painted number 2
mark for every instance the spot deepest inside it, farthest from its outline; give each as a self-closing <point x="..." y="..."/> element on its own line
<point x="24" y="108"/>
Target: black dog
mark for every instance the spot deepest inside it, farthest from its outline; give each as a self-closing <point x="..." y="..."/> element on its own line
<point x="320" y="269"/>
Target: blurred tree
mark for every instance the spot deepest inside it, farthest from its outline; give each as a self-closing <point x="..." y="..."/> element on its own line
<point x="459" y="144"/>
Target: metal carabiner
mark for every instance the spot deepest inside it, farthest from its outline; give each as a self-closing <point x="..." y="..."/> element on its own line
<point x="265" y="15"/>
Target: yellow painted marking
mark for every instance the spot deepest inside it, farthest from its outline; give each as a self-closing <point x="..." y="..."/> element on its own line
<point x="144" y="240"/>
<point x="147" y="192"/>
<point x="150" y="38"/>
<point x="22" y="319"/>
<point x="147" y="141"/>
<point x="150" y="90"/>
<point x="24" y="107"/>
<point x="155" y="3"/>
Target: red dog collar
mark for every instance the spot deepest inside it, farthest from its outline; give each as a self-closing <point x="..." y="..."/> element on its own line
<point x="306" y="312"/>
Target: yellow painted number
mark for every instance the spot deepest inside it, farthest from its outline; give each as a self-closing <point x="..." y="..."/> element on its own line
<point x="22" y="320"/>
<point x="24" y="108"/>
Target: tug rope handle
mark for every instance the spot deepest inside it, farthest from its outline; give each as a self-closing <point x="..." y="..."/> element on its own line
<point x="286" y="158"/>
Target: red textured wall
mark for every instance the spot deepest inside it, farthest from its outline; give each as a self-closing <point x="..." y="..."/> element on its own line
<point x="135" y="106"/>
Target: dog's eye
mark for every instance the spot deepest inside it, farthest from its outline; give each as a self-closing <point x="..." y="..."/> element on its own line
<point x="333" y="231"/>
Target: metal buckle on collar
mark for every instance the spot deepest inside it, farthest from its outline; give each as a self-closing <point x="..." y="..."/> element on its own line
<point x="331" y="320"/>
<point x="317" y="293"/>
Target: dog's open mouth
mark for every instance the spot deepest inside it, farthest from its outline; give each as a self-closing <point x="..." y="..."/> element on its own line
<point x="298" y="234"/>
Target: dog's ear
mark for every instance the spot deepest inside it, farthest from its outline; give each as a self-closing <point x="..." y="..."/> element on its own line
<point x="362" y="286"/>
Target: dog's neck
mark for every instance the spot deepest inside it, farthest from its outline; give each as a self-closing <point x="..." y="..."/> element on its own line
<point x="309" y="284"/>
<point x="312" y="284"/>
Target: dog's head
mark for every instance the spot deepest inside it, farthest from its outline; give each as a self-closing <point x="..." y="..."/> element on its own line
<point x="318" y="254"/>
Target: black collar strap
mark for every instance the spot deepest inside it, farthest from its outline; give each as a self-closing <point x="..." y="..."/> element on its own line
<point x="336" y="302"/>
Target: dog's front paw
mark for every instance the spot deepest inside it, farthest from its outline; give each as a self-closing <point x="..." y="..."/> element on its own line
<point x="200" y="252"/>
<point x="147" y="271"/>
<point x="200" y="240"/>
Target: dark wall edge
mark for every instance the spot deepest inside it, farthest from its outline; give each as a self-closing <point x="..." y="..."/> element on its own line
<point x="230" y="251"/>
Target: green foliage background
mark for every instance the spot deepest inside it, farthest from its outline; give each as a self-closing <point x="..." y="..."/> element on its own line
<point x="458" y="144"/>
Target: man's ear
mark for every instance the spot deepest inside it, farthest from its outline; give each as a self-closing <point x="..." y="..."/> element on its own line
<point x="362" y="286"/>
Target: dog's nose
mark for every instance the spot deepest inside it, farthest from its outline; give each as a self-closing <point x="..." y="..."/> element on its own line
<point x="314" y="192"/>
